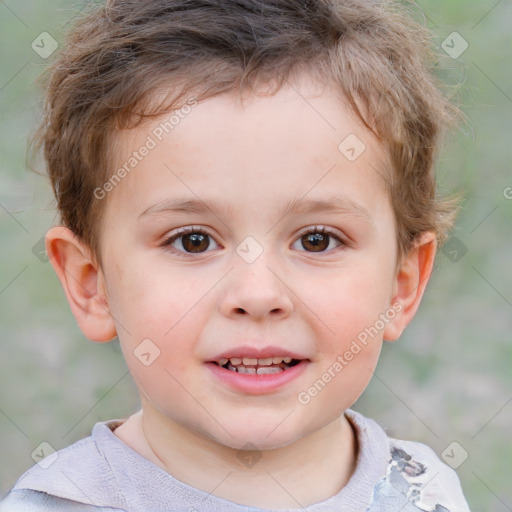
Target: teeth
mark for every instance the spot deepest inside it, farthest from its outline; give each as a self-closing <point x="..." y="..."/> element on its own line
<point x="263" y="370"/>
<point x="253" y="361"/>
<point x="253" y="365"/>
<point x="245" y="369"/>
<point x="267" y="370"/>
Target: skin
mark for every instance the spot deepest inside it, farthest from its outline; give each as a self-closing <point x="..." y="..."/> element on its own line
<point x="254" y="157"/>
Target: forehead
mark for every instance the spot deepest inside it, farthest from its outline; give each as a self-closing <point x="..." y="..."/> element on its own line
<point x="301" y="140"/>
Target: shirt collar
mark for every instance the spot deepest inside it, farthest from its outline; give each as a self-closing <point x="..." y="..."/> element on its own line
<point x="124" y="479"/>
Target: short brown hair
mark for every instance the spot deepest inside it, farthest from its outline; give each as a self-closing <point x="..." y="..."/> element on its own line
<point x="119" y="57"/>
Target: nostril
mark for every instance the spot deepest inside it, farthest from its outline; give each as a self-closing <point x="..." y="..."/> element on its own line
<point x="240" y="310"/>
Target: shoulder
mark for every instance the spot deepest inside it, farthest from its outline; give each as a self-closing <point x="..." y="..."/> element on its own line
<point x="26" y="500"/>
<point x="412" y="478"/>
<point x="429" y="484"/>
<point x="77" y="477"/>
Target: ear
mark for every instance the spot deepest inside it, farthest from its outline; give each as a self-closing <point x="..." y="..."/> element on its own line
<point x="410" y="283"/>
<point x="83" y="282"/>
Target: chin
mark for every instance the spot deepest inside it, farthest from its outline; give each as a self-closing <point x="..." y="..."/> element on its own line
<point x="256" y="441"/>
<point x="261" y="435"/>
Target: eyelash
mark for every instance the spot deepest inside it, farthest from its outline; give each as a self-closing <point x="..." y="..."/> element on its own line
<point x="193" y="229"/>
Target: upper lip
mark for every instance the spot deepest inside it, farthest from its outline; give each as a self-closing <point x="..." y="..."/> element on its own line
<point x="256" y="353"/>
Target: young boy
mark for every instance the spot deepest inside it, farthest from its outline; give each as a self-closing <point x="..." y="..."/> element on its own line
<point x="248" y="203"/>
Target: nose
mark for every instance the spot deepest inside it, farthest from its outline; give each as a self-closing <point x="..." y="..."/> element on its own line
<point x="257" y="292"/>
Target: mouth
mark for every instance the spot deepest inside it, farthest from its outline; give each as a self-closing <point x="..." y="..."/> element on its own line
<point x="262" y="371"/>
<point x="259" y="370"/>
<point x="258" y="366"/>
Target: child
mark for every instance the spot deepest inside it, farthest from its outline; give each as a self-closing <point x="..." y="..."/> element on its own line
<point x="246" y="187"/>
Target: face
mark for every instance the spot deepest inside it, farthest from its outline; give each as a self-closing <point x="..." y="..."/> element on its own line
<point x="245" y="255"/>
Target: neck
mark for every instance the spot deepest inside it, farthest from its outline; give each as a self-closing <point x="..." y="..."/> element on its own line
<point x="309" y="470"/>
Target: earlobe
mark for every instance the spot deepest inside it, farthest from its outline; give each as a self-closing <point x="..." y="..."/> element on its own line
<point x="83" y="283"/>
<point x="410" y="283"/>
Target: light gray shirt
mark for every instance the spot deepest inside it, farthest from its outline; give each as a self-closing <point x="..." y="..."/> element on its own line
<point x="102" y="473"/>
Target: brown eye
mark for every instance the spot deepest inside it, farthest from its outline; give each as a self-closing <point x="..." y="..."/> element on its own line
<point x="319" y="240"/>
<point x="195" y="242"/>
<point x="189" y="241"/>
<point x="315" y="242"/>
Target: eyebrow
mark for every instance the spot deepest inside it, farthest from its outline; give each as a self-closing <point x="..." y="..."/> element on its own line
<point x="334" y="204"/>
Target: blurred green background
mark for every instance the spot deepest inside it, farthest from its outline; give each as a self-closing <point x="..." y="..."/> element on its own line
<point x="447" y="380"/>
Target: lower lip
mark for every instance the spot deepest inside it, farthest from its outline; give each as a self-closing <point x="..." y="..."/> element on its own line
<point x="257" y="384"/>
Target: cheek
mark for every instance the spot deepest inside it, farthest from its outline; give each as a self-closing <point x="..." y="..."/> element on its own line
<point x="347" y="304"/>
<point x="348" y="385"/>
<point x="161" y="364"/>
<point x="157" y="323"/>
<point x="152" y="302"/>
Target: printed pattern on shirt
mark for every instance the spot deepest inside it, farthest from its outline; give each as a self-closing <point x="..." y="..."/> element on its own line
<point x="404" y="486"/>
